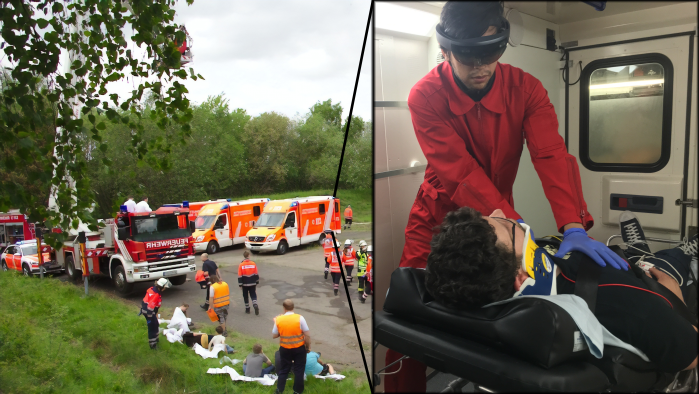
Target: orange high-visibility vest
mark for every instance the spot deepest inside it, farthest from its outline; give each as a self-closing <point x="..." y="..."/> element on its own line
<point x="334" y="263"/>
<point x="152" y="299"/>
<point x="221" y="295"/>
<point x="328" y="247"/>
<point x="348" y="213"/>
<point x="349" y="259"/>
<point x="368" y="269"/>
<point x="290" y="334"/>
<point x="199" y="277"/>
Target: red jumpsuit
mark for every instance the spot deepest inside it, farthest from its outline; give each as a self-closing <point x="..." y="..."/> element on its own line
<point x="473" y="152"/>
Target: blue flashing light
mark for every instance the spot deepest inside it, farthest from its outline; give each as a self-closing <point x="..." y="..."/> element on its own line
<point x="123" y="208"/>
<point x="229" y="200"/>
<point x="295" y="204"/>
<point x="185" y="204"/>
<point x="225" y="206"/>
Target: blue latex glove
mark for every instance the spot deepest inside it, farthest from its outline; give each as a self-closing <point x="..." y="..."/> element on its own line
<point x="576" y="239"/>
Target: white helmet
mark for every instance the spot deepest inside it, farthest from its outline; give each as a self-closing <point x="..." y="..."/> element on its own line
<point x="348" y="242"/>
<point x="164" y="283"/>
<point x="362" y="243"/>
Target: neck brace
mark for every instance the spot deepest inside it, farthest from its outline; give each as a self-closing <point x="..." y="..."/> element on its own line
<point x="544" y="280"/>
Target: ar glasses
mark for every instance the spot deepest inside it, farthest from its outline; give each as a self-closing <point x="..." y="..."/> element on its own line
<point x="474" y="52"/>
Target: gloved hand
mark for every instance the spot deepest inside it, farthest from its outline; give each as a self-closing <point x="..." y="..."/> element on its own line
<point x="576" y="239"/>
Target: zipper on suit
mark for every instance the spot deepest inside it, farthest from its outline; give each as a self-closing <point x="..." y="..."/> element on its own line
<point x="478" y="106"/>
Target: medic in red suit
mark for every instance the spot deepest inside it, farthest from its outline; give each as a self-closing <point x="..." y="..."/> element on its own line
<point x="472" y="122"/>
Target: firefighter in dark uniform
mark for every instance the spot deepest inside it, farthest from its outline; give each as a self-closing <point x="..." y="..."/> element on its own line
<point x="149" y="308"/>
<point x="248" y="279"/>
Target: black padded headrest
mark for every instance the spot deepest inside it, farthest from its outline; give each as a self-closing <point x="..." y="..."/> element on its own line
<point x="533" y="329"/>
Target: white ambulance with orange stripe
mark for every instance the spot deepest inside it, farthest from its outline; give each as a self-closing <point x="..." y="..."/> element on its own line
<point x="293" y="222"/>
<point x="225" y="223"/>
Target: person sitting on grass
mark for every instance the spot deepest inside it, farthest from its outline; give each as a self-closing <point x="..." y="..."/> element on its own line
<point x="190" y="338"/>
<point x="220" y="339"/>
<point x="314" y="366"/>
<point x="252" y="366"/>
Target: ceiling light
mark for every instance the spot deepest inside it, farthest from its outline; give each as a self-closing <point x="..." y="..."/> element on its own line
<point x="627" y="84"/>
<point x="405" y="20"/>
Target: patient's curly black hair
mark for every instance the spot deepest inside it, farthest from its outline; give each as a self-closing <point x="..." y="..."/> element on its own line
<point x="467" y="268"/>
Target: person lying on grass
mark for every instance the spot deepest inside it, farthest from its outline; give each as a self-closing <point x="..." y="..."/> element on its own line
<point x="252" y="366"/>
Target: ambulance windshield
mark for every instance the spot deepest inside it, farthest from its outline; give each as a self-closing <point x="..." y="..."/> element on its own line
<point x="29" y="250"/>
<point x="270" y="220"/>
<point x="158" y="228"/>
<point x="204" y="222"/>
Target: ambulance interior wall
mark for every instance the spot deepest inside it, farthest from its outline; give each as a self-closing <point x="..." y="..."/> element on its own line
<point x="400" y="61"/>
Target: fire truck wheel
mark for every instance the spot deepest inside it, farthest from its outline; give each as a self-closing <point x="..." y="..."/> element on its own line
<point x="120" y="283"/>
<point x="283" y="247"/>
<point x="26" y="271"/>
<point x="70" y="268"/>
<point x="212" y="247"/>
<point x="4" y="266"/>
<point x="178" y="280"/>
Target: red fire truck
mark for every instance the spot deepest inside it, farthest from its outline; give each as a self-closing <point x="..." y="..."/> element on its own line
<point x="135" y="247"/>
<point x="14" y="227"/>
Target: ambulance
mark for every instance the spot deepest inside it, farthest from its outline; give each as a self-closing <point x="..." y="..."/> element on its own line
<point x="293" y="222"/>
<point x="225" y="223"/>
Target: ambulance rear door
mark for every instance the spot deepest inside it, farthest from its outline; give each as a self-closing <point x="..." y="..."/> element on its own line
<point x="630" y="130"/>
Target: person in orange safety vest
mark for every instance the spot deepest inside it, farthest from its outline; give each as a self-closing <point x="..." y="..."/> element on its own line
<point x="294" y="338"/>
<point x="369" y="275"/>
<point x="349" y="257"/>
<point x="348" y="217"/>
<point x="327" y="249"/>
<point x="220" y="295"/>
<point x="149" y="308"/>
<point x="335" y="270"/>
<point x="248" y="279"/>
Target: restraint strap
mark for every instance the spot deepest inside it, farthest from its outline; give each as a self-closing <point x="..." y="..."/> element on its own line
<point x="587" y="281"/>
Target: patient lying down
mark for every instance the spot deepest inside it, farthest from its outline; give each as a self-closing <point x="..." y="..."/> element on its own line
<point x="472" y="264"/>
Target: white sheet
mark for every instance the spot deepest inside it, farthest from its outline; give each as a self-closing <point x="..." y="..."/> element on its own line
<point x="333" y="376"/>
<point x="179" y="321"/>
<point x="267" y="380"/>
<point x="173" y="335"/>
<point x="209" y="354"/>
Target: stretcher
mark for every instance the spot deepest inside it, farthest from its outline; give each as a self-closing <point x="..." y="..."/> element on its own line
<point x="525" y="345"/>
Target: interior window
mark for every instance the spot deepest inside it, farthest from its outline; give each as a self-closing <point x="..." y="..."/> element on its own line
<point x="222" y="220"/>
<point x="625" y="121"/>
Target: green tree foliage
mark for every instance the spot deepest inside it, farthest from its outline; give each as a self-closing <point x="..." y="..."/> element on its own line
<point x="35" y="34"/>
<point x="231" y="154"/>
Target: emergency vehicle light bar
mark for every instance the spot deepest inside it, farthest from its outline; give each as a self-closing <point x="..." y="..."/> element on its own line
<point x="185" y="204"/>
<point x="123" y="208"/>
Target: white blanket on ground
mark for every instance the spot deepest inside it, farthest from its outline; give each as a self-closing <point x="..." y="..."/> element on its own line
<point x="178" y="321"/>
<point x="333" y="376"/>
<point x="267" y="380"/>
<point x="205" y="353"/>
<point x="173" y="335"/>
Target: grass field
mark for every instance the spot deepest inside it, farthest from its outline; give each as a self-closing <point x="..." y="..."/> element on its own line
<point x="53" y="340"/>
<point x="359" y="199"/>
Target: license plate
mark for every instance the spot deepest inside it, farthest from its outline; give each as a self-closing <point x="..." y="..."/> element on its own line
<point x="168" y="273"/>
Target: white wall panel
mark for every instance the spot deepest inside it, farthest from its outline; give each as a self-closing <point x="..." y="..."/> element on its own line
<point x="401" y="144"/>
<point x="383" y="243"/>
<point x="380" y="155"/>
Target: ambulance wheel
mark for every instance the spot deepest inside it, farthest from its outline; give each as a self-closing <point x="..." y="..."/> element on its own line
<point x="212" y="247"/>
<point x="4" y="266"/>
<point x="178" y="280"/>
<point x="70" y="269"/>
<point x="283" y="247"/>
<point x="119" y="278"/>
<point x="26" y="271"/>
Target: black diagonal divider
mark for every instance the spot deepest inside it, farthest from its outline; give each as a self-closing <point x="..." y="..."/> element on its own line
<point x="337" y="182"/>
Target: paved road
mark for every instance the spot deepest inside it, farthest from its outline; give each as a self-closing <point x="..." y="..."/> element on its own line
<point x="297" y="275"/>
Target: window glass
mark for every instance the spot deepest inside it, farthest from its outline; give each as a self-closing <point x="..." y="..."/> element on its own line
<point x="626" y="114"/>
<point x="222" y="220"/>
<point x="290" y="220"/>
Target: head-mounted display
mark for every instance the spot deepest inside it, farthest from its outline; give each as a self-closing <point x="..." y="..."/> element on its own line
<point x="477" y="51"/>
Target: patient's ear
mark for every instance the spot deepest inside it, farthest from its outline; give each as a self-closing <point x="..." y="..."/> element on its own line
<point x="520" y="278"/>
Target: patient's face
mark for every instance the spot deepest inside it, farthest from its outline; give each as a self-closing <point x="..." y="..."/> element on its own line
<point x="503" y="230"/>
